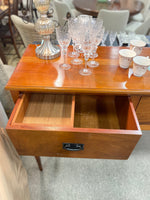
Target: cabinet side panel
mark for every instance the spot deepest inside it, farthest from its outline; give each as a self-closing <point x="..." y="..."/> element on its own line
<point x="143" y="110"/>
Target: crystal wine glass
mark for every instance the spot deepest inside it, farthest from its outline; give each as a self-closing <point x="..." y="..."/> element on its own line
<point x="76" y="36"/>
<point x="97" y="40"/>
<point x="104" y="38"/>
<point x="112" y="37"/>
<point x="71" y="27"/>
<point x="122" y="36"/>
<point x="64" y="39"/>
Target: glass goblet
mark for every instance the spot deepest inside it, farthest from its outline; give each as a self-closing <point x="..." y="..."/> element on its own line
<point x="112" y="37"/>
<point x="64" y="39"/>
<point x="97" y="40"/>
<point x="87" y="48"/>
<point x="121" y="38"/>
<point x="72" y="22"/>
<point x="104" y="38"/>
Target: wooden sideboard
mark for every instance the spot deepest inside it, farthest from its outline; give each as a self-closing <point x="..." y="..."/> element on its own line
<point x="61" y="113"/>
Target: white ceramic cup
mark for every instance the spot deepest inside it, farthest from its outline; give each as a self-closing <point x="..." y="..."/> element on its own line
<point x="140" y="65"/>
<point x="137" y="46"/>
<point x="125" y="57"/>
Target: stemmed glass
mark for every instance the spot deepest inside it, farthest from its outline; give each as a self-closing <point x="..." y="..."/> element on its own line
<point x="71" y="22"/>
<point x="85" y="33"/>
<point x="112" y="37"/>
<point x="87" y="48"/>
<point x="104" y="38"/>
<point x="64" y="39"/>
<point x="74" y="29"/>
<point x="97" y="40"/>
<point x="121" y="38"/>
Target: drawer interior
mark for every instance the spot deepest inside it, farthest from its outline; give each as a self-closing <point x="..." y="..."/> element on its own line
<point x="46" y="109"/>
<point x="80" y="111"/>
<point x="105" y="112"/>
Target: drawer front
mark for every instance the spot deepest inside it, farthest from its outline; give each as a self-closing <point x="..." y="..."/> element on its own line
<point x="96" y="144"/>
<point x="105" y="127"/>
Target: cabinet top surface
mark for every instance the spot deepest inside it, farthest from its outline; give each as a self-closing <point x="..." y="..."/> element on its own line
<point x="36" y="75"/>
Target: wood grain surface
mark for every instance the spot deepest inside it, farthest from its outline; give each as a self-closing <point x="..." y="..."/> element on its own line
<point x="36" y="75"/>
<point x="106" y="126"/>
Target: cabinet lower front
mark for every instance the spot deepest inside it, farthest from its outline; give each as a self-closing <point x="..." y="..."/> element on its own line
<point x="74" y="126"/>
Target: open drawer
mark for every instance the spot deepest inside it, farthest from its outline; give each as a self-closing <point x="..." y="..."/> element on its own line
<point x="74" y="126"/>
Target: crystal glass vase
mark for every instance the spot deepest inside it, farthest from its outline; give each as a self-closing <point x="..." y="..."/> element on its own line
<point x="45" y="26"/>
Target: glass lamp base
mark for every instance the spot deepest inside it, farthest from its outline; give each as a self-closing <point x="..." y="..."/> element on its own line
<point x="85" y="72"/>
<point x="93" y="63"/>
<point x="65" y="66"/>
<point x="46" y="50"/>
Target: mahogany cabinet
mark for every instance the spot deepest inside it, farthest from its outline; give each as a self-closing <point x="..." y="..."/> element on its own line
<point x="60" y="113"/>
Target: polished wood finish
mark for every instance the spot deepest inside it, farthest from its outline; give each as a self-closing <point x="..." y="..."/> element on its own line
<point x="92" y="7"/>
<point x="107" y="126"/>
<point x="143" y="110"/>
<point x="36" y="75"/>
<point x="142" y="107"/>
<point x="136" y="101"/>
<point x="15" y="95"/>
<point x="47" y="109"/>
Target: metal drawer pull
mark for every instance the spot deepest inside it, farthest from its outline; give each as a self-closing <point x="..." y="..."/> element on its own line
<point x="73" y="147"/>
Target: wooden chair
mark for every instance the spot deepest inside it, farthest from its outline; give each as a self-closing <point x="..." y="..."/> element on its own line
<point x="7" y="33"/>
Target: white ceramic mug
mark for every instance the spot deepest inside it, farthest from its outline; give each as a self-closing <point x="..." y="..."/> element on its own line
<point x="140" y="65"/>
<point x="125" y="57"/>
<point x="137" y="46"/>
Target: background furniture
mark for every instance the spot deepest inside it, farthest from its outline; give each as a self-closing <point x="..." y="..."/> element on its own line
<point x="8" y="34"/>
<point x="62" y="8"/>
<point x="139" y="27"/>
<point x="92" y="7"/>
<point x="143" y="14"/>
<point x="6" y="101"/>
<point x="26" y="30"/>
<point x="114" y="20"/>
<point x="13" y="176"/>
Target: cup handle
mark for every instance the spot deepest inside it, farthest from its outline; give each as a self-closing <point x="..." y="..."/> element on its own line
<point x="133" y="48"/>
<point x="149" y="66"/>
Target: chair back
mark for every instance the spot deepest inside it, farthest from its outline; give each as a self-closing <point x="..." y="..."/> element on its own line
<point x="26" y="30"/>
<point x="62" y="9"/>
<point x="144" y="28"/>
<point x="114" y="20"/>
<point x="146" y="10"/>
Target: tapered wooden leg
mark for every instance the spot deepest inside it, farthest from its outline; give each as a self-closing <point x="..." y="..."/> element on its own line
<point x="38" y="159"/>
